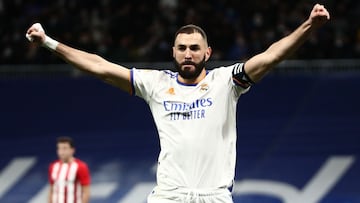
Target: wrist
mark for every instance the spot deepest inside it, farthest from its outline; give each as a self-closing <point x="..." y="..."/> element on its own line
<point x="50" y="43"/>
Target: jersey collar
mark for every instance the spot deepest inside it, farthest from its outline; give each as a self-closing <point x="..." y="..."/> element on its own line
<point x="185" y="84"/>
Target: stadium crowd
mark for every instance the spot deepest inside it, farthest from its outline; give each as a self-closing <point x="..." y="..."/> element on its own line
<point x="143" y="30"/>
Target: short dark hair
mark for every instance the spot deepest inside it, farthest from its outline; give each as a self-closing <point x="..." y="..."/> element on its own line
<point x="65" y="139"/>
<point x="190" y="29"/>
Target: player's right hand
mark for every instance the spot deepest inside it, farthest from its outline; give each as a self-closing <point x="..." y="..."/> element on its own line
<point x="36" y="34"/>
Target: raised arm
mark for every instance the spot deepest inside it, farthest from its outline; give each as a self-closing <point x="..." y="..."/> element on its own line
<point x="257" y="66"/>
<point x="111" y="73"/>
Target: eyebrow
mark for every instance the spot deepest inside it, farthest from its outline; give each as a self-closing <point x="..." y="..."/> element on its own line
<point x="192" y="46"/>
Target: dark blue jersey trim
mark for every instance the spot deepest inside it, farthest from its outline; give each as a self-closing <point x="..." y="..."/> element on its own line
<point x="184" y="84"/>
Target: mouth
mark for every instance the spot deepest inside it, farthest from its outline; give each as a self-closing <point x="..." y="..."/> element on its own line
<point x="188" y="66"/>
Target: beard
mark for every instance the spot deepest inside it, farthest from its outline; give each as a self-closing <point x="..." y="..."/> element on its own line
<point x="190" y="74"/>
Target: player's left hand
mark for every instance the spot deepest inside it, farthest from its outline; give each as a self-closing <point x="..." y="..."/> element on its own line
<point x="319" y="15"/>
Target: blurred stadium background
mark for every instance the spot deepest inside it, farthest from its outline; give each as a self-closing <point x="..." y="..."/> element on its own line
<point x="300" y="126"/>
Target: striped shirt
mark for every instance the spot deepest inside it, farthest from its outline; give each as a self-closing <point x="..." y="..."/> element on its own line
<point x="67" y="179"/>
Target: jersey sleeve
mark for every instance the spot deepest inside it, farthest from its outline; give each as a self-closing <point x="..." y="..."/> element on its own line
<point x="143" y="82"/>
<point x="228" y="74"/>
<point x="51" y="166"/>
<point x="83" y="174"/>
<point x="240" y="77"/>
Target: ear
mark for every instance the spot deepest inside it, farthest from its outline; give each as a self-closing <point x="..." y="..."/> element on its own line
<point x="173" y="50"/>
<point x="208" y="53"/>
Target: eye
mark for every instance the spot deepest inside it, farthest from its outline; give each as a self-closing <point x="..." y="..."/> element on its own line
<point x="181" y="48"/>
<point x="194" y="47"/>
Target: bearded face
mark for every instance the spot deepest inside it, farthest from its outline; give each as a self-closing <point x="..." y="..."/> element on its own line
<point x="190" y="52"/>
<point x="189" y="69"/>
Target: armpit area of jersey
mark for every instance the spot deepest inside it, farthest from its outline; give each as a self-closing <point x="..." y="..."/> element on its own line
<point x="239" y="76"/>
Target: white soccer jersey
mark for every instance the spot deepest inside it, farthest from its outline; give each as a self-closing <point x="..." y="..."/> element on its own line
<point x="196" y="126"/>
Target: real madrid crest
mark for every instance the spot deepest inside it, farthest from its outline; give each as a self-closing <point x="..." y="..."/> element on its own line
<point x="204" y="87"/>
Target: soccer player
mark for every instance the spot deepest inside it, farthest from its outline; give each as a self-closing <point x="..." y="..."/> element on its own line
<point x="194" y="109"/>
<point x="69" y="177"/>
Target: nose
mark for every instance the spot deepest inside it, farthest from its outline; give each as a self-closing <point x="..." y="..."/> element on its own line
<point x="188" y="54"/>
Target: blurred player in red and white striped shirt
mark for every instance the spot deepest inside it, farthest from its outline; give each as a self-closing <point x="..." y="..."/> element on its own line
<point x="69" y="177"/>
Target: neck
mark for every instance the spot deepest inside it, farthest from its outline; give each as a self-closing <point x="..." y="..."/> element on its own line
<point x="194" y="80"/>
<point x="69" y="160"/>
